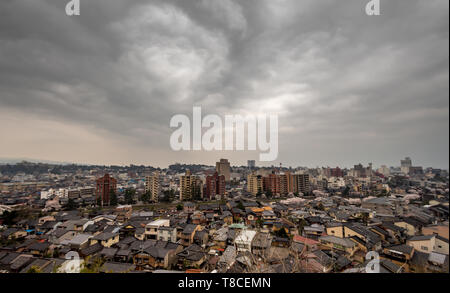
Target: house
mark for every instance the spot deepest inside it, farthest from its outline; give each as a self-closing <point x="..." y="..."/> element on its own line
<point x="318" y="262"/>
<point x="188" y="207"/>
<point x="156" y="256"/>
<point x="187" y="235"/>
<point x="244" y="240"/>
<point x="13" y="233"/>
<point x="220" y="237"/>
<point x="201" y="237"/>
<point x="106" y="239"/>
<point x="429" y="243"/>
<point x="411" y="226"/>
<point x="192" y="256"/>
<point x="399" y="254"/>
<point x="91" y="251"/>
<point x="167" y="234"/>
<point x="227" y="217"/>
<point x="108" y="253"/>
<point x="337" y="243"/>
<point x="123" y="255"/>
<point x="80" y="241"/>
<point x="310" y="244"/>
<point x="151" y="229"/>
<point x="347" y="230"/>
<point x="227" y="259"/>
<point x="39" y="248"/>
<point x="261" y="243"/>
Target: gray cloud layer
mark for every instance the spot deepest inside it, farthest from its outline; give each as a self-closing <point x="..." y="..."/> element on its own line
<point x="102" y="87"/>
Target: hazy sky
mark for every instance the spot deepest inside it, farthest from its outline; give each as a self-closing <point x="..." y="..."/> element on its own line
<point x="101" y="88"/>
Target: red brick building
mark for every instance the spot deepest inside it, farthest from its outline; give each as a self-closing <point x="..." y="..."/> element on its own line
<point x="215" y="185"/>
<point x="105" y="185"/>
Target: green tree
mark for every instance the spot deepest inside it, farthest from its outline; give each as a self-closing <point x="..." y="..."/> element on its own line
<point x="71" y="205"/>
<point x="301" y="226"/>
<point x="281" y="233"/>
<point x="113" y="198"/>
<point x="129" y="196"/>
<point x="269" y="193"/>
<point x="179" y="207"/>
<point x="146" y="197"/>
<point x="9" y="218"/>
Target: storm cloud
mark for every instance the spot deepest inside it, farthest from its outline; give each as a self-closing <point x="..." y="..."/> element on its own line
<point x="348" y="88"/>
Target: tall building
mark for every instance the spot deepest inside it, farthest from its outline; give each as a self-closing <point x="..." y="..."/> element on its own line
<point x="301" y="183"/>
<point x="215" y="185"/>
<point x="251" y="164"/>
<point x="191" y="187"/>
<point x="254" y="184"/>
<point x="272" y="183"/>
<point x="286" y="183"/>
<point x="153" y="185"/>
<point x="105" y="185"/>
<point x="405" y="165"/>
<point x="223" y="168"/>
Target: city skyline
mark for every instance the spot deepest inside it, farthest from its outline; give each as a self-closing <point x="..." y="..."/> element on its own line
<point x="348" y="88"/>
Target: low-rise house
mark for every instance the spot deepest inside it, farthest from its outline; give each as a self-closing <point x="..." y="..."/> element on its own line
<point x="187" y="235"/>
<point x="13" y="233"/>
<point x="156" y="256"/>
<point x="244" y="240"/>
<point x="108" y="253"/>
<point x="167" y="234"/>
<point x="411" y="226"/>
<point x="192" y="256"/>
<point x="311" y="244"/>
<point x="151" y="229"/>
<point x="340" y="244"/>
<point x="261" y="243"/>
<point x="201" y="237"/>
<point x="39" y="248"/>
<point x="429" y="243"/>
<point x="80" y="241"/>
<point x="106" y="239"/>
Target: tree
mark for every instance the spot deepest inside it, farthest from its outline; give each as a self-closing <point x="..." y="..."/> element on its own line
<point x="269" y="193"/>
<point x="179" y="207"/>
<point x="168" y="195"/>
<point x="113" y="198"/>
<point x="281" y="233"/>
<point x="301" y="226"/>
<point x="146" y="197"/>
<point x="9" y="218"/>
<point x="71" y="205"/>
<point x="129" y="196"/>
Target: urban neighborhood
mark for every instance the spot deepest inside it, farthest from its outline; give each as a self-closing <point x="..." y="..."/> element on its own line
<point x="63" y="218"/>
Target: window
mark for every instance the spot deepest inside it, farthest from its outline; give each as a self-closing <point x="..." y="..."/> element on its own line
<point x="424" y="248"/>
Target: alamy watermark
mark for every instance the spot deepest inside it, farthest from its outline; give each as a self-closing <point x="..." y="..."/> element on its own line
<point x="73" y="7"/>
<point x="373" y="266"/>
<point x="373" y="7"/>
<point x="220" y="136"/>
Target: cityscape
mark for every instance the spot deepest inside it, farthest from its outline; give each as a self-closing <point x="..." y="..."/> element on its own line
<point x="223" y="218"/>
<point x="224" y="143"/>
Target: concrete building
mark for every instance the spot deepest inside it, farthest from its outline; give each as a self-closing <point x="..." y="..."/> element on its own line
<point x="153" y="185"/>
<point x="191" y="187"/>
<point x="223" y="168"/>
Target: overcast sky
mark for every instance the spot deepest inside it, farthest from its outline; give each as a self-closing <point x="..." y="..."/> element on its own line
<point x="101" y="88"/>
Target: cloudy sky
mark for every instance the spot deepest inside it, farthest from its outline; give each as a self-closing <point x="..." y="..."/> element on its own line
<point x="102" y="87"/>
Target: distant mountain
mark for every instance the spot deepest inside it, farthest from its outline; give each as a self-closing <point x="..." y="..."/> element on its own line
<point x="19" y="160"/>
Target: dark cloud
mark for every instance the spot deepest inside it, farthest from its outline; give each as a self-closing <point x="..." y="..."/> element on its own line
<point x="347" y="87"/>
